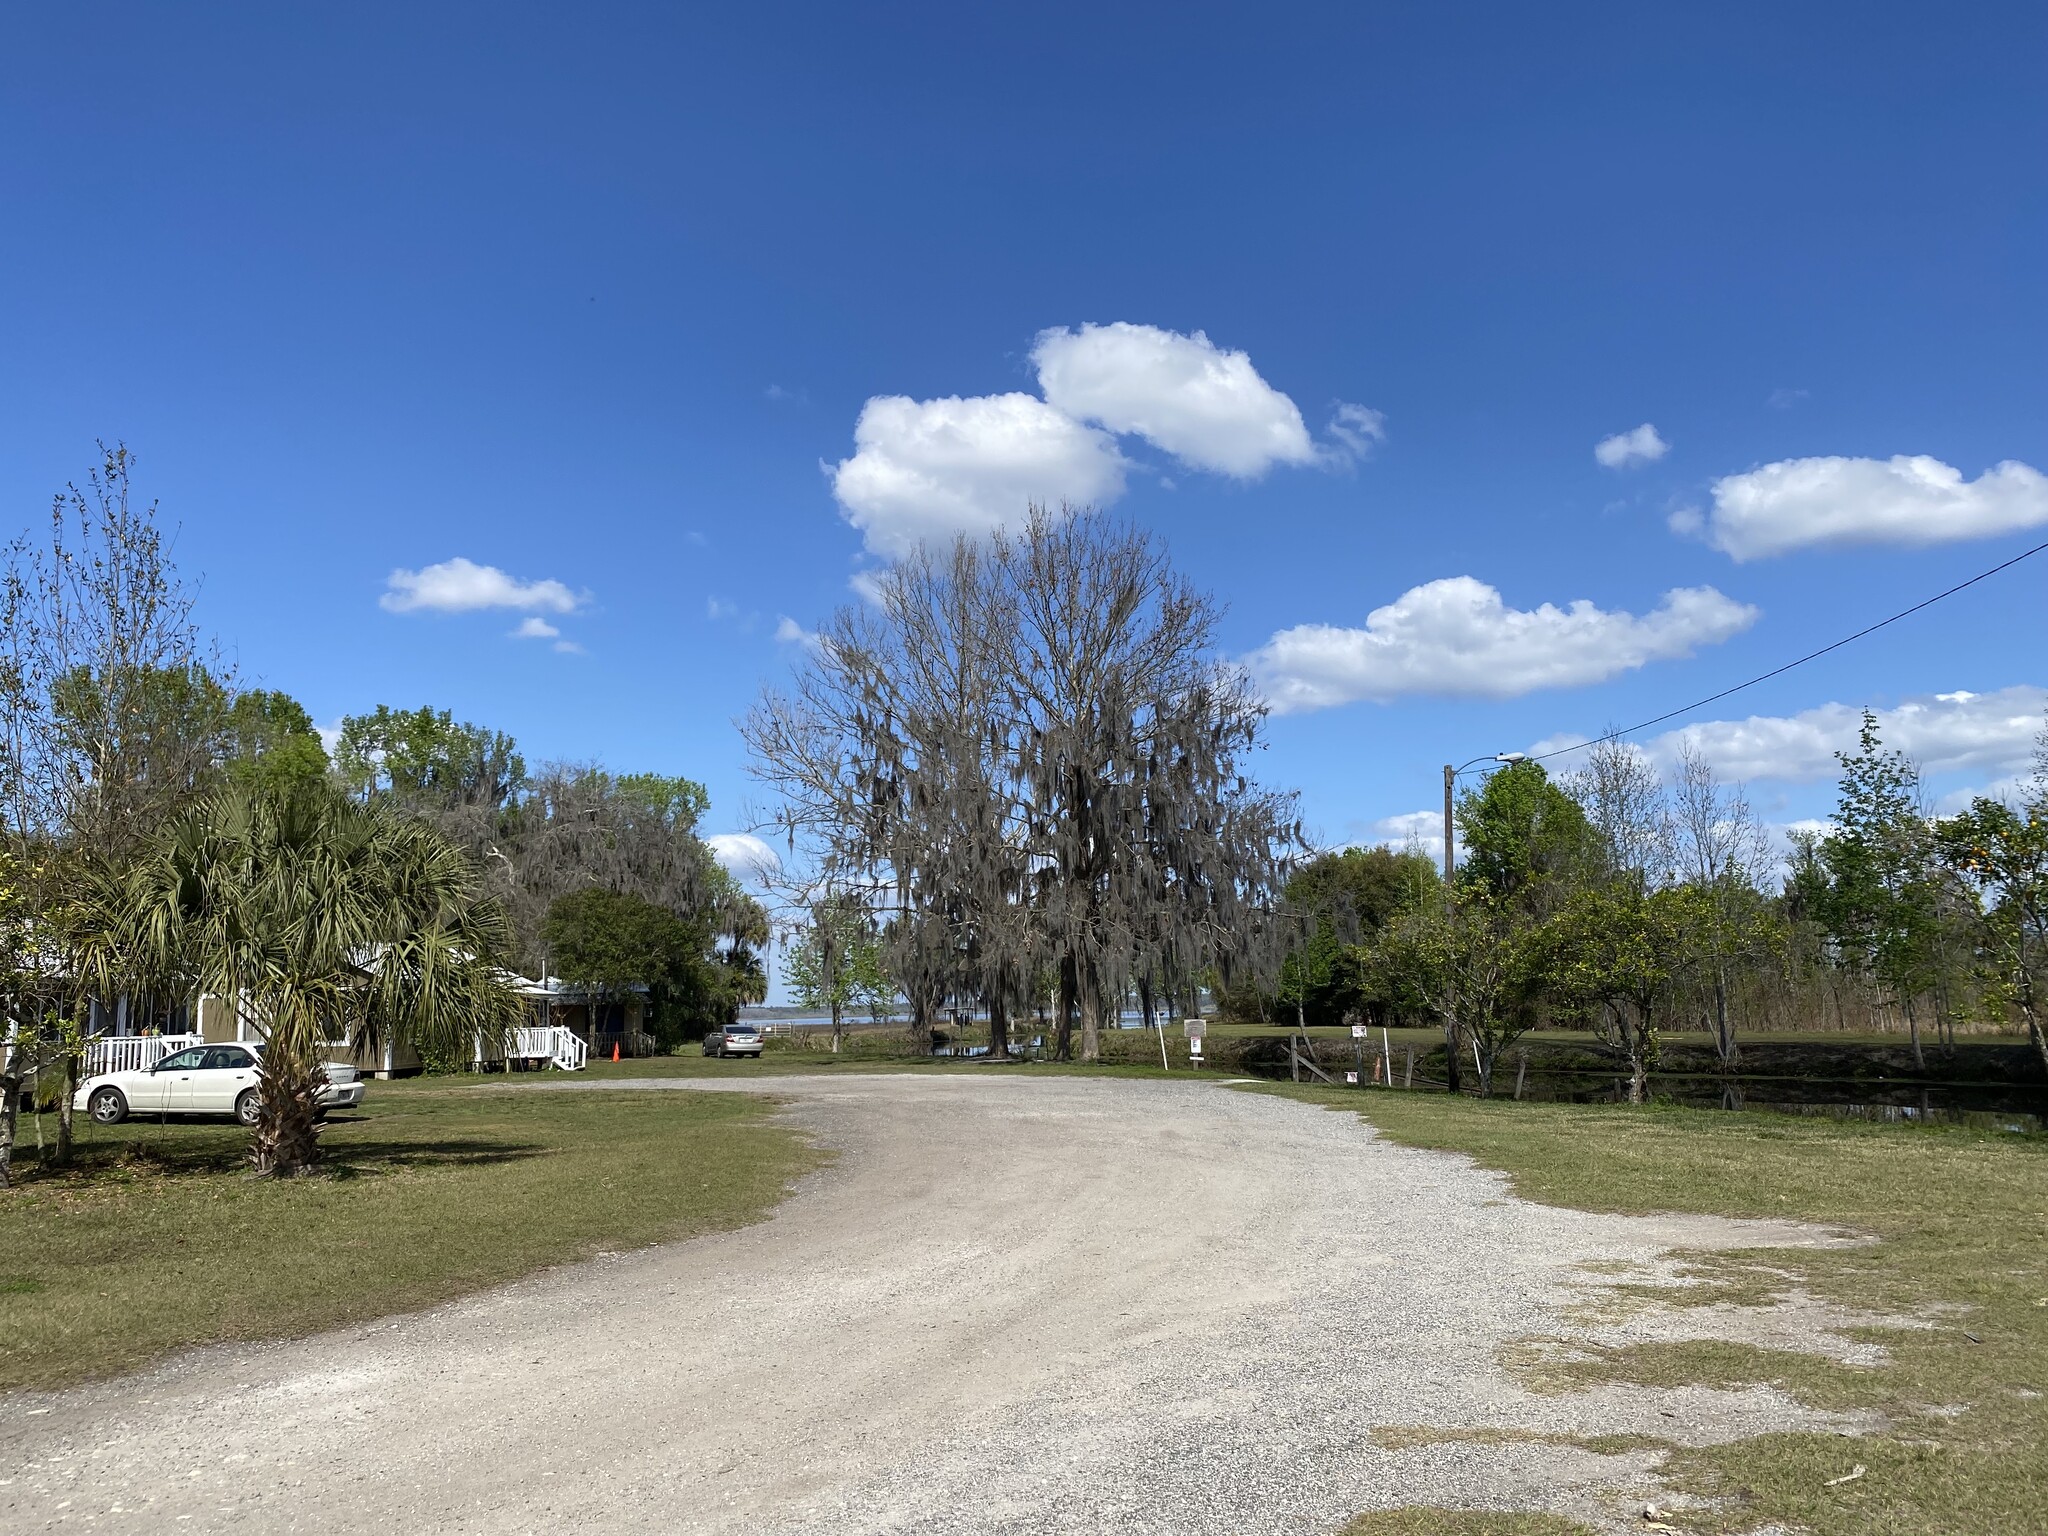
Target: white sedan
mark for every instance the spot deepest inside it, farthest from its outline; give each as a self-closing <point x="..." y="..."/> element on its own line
<point x="204" y="1080"/>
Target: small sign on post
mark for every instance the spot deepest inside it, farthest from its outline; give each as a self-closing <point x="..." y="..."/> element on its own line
<point x="1194" y="1029"/>
<point x="1358" y="1031"/>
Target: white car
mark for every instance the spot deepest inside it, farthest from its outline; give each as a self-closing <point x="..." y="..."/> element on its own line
<point x="204" y="1080"/>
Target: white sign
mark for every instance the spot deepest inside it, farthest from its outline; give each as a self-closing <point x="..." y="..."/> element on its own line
<point x="1194" y="1028"/>
<point x="1358" y="1031"/>
<point x="1351" y="1079"/>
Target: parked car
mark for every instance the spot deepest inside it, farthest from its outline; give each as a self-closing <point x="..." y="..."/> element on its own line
<point x="202" y="1080"/>
<point x="734" y="1040"/>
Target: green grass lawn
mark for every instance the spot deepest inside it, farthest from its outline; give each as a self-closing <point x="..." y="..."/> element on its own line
<point x="157" y="1238"/>
<point x="1962" y="1218"/>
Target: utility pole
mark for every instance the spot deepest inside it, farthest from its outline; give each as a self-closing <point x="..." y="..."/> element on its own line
<point x="1450" y="908"/>
<point x="1450" y="785"/>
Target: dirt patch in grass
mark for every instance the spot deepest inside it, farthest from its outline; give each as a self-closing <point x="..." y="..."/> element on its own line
<point x="1951" y="1373"/>
<point x="1462" y="1522"/>
<point x="156" y="1238"/>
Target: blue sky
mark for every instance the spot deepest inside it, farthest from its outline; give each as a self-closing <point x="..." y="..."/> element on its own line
<point x="597" y="296"/>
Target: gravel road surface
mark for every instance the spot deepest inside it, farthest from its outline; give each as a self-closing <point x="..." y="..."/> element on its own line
<point x="1013" y="1304"/>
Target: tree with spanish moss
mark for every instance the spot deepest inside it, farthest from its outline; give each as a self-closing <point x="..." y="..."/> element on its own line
<point x="1028" y="748"/>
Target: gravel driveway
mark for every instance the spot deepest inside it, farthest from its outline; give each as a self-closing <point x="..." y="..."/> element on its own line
<point x="1014" y="1304"/>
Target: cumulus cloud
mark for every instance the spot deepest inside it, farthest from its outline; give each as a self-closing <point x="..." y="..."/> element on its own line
<point x="1205" y="406"/>
<point x="462" y="586"/>
<point x="744" y="856"/>
<point x="926" y="470"/>
<point x="1641" y="445"/>
<point x="1943" y="732"/>
<point x="1457" y="638"/>
<point x="535" y="627"/>
<point x="1422" y="831"/>
<point x="1827" y="502"/>
<point x="789" y="632"/>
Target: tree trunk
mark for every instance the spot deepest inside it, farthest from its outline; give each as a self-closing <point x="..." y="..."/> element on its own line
<point x="1063" y="1037"/>
<point x="1451" y="1075"/>
<point x="10" y="1101"/>
<point x="920" y="1024"/>
<point x="287" y="1139"/>
<point x="63" y="1154"/>
<point x="1638" y="1075"/>
<point x="1091" y="1018"/>
<point x="1485" y="1072"/>
<point x="1724" y="1025"/>
<point x="1913" y="1030"/>
<point x="2033" y="1018"/>
<point x="838" y="1025"/>
<point x="998" y="1029"/>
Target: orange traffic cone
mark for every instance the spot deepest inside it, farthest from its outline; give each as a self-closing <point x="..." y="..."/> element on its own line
<point x="615" y="1050"/>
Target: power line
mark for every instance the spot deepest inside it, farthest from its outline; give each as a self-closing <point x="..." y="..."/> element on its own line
<point x="1764" y="677"/>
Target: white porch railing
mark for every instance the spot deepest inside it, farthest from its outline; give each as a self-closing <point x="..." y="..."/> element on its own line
<point x="541" y="1042"/>
<point x="131" y="1053"/>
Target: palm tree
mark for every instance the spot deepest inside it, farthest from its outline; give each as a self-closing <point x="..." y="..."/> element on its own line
<point x="326" y="920"/>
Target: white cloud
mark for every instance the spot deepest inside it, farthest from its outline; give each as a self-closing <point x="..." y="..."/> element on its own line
<point x="1456" y="637"/>
<point x="330" y="735"/>
<point x="744" y="855"/>
<point x="718" y="608"/>
<point x="535" y="628"/>
<point x="462" y="586"/>
<point x="789" y="632"/>
<point x="1639" y="446"/>
<point x="568" y="647"/>
<point x="1909" y="499"/>
<point x="926" y="470"/>
<point x="1357" y="429"/>
<point x="1421" y="830"/>
<point x="1205" y="406"/>
<point x="1944" y="733"/>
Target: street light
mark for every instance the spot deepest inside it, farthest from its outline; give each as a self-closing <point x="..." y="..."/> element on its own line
<point x="1451" y="784"/>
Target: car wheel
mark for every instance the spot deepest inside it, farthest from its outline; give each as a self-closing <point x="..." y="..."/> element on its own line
<point x="248" y="1108"/>
<point x="107" y="1106"/>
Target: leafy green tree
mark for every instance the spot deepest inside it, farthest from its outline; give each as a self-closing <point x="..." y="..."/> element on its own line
<point x="110" y="723"/>
<point x="836" y="962"/>
<point x="424" y="758"/>
<point x="271" y="742"/>
<point x="1883" y="904"/>
<point x="614" y="944"/>
<point x="1616" y="954"/>
<point x="1526" y="841"/>
<point x="2002" y="851"/>
<point x="326" y="919"/>
<point x="1478" y="965"/>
